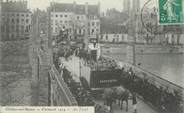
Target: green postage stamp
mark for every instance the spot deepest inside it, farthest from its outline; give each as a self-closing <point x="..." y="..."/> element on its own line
<point x="171" y="11"/>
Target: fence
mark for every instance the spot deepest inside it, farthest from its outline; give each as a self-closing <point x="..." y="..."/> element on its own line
<point x="60" y="93"/>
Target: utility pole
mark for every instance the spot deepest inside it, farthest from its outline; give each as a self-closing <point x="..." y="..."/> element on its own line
<point x="49" y="28"/>
<point x="136" y="14"/>
<point x="86" y="33"/>
<point x="132" y="35"/>
<point x="50" y="48"/>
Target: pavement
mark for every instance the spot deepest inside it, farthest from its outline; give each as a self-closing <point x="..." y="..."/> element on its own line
<point x="73" y="65"/>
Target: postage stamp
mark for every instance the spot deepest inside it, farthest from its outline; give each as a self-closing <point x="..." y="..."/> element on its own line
<point x="171" y="11"/>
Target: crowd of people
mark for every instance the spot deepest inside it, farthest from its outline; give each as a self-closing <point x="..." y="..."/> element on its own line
<point x="160" y="97"/>
<point x="83" y="96"/>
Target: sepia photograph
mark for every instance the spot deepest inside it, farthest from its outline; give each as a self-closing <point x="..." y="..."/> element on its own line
<point x="92" y="56"/>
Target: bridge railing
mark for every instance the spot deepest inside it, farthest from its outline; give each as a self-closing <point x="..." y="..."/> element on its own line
<point x="61" y="89"/>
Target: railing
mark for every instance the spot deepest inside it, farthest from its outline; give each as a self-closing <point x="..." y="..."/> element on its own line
<point x="61" y="89"/>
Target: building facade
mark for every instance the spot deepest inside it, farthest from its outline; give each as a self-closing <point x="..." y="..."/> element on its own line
<point x="78" y="20"/>
<point x="136" y="5"/>
<point x="131" y="5"/>
<point x="126" y="5"/>
<point x="114" y="38"/>
<point x="16" y="20"/>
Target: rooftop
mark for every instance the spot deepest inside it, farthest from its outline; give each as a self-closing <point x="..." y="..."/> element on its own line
<point x="14" y="6"/>
<point x="76" y="8"/>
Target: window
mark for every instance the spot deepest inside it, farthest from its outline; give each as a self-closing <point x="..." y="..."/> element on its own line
<point x="13" y="14"/>
<point x="22" y="20"/>
<point x="88" y="24"/>
<point x="93" y="23"/>
<point x="17" y="14"/>
<point x="27" y="20"/>
<point x="61" y="21"/>
<point x="88" y="31"/>
<point x="61" y="16"/>
<point x="17" y="20"/>
<point x="78" y="17"/>
<point x="106" y="37"/>
<point x="22" y="15"/>
<point x="92" y="31"/>
<point x="56" y="15"/>
<point x="80" y="31"/>
<point x="13" y="20"/>
<point x="27" y="15"/>
<point x="65" y="15"/>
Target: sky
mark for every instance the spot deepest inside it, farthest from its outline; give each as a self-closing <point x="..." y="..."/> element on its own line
<point x="104" y="4"/>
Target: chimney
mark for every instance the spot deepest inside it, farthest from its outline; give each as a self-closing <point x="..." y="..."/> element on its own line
<point x="98" y="7"/>
<point x="86" y="8"/>
<point x="74" y="6"/>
